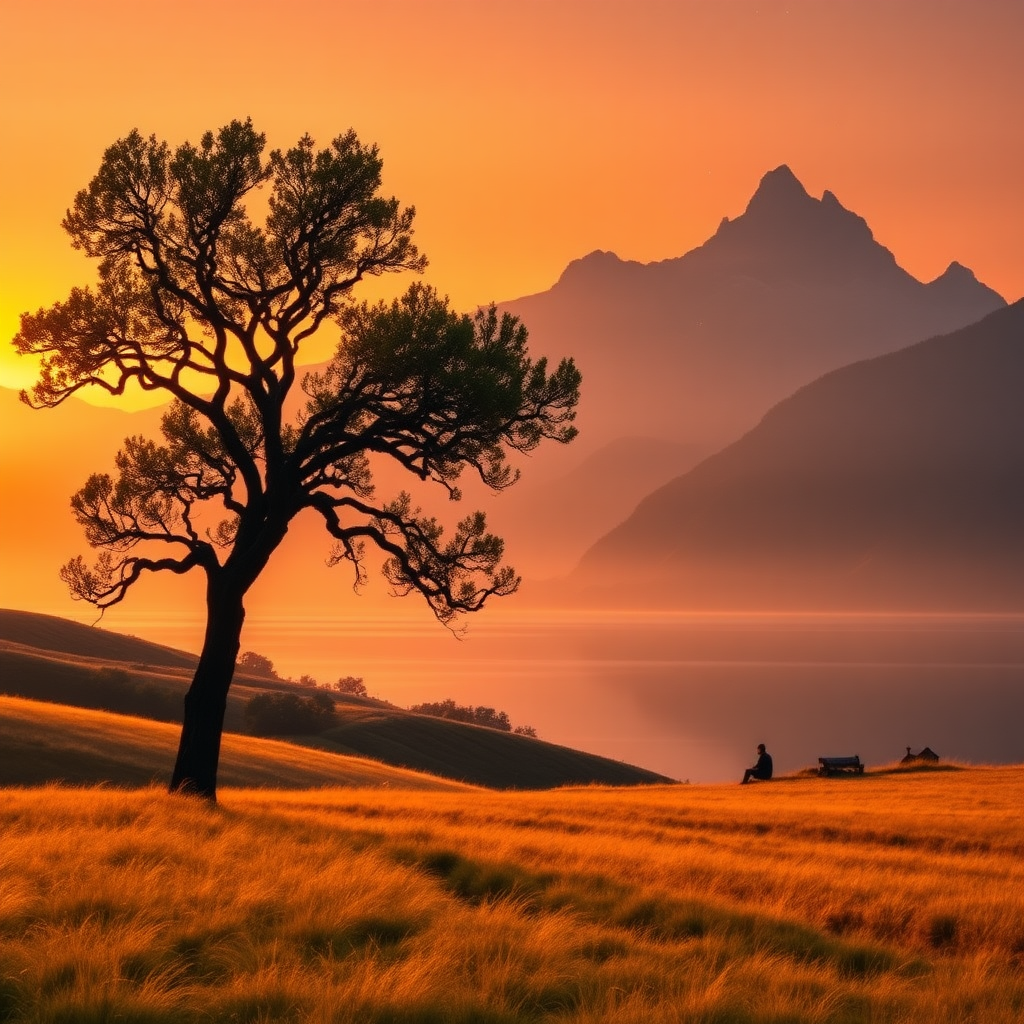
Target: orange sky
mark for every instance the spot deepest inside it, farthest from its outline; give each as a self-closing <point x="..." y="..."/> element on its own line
<point x="529" y="133"/>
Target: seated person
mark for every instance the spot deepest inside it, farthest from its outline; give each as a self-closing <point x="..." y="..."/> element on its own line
<point x="761" y="771"/>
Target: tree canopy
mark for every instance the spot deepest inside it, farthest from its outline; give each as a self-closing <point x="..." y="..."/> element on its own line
<point x="196" y="300"/>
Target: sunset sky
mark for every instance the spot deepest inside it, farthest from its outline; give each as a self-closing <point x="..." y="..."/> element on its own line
<point x="530" y="133"/>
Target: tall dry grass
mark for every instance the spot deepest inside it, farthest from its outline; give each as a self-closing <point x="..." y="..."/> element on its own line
<point x="888" y="898"/>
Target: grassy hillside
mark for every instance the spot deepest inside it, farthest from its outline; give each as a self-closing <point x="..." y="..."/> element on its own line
<point x="42" y="743"/>
<point x="51" y="633"/>
<point x="886" y="899"/>
<point x="484" y="757"/>
<point x="84" y="667"/>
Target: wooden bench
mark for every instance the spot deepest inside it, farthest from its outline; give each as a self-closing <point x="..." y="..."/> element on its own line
<point x="838" y="765"/>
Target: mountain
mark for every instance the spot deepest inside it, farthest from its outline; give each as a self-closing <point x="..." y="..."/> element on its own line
<point x="697" y="348"/>
<point x="895" y="482"/>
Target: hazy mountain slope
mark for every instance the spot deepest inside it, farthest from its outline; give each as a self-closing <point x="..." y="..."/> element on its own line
<point x="892" y="482"/>
<point x="565" y="514"/>
<point x="699" y="347"/>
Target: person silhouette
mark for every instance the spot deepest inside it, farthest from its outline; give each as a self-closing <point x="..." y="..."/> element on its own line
<point x="762" y="771"/>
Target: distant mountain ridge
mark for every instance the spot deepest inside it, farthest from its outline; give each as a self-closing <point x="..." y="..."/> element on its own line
<point x="893" y="482"/>
<point x="698" y="347"/>
<point x="784" y="235"/>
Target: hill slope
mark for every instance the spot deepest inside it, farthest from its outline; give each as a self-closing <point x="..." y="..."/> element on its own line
<point x="367" y="728"/>
<point x="484" y="757"/>
<point x="42" y="743"/>
<point x="52" y="633"/>
<point x="894" y="482"/>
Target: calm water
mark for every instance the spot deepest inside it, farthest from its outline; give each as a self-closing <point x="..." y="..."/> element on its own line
<point x="686" y="695"/>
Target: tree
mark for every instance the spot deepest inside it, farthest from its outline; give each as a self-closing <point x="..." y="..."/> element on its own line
<point x="256" y="664"/>
<point x="352" y="685"/>
<point x="195" y="300"/>
<point x="487" y="717"/>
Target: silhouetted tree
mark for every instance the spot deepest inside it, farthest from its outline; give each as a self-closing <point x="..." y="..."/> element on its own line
<point x="353" y="685"/>
<point x="487" y="717"/>
<point x="256" y="664"/>
<point x="197" y="301"/>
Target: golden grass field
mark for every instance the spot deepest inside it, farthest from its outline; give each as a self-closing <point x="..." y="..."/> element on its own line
<point x="892" y="897"/>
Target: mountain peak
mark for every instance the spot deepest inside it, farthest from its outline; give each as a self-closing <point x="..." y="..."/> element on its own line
<point x="956" y="272"/>
<point x="785" y="231"/>
<point x="957" y="283"/>
<point x="779" y="187"/>
<point x="598" y="268"/>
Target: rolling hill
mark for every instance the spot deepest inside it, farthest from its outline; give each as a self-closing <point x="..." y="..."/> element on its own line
<point x="52" y="633"/>
<point x="43" y="743"/>
<point x="894" y="482"/>
<point x="105" y="672"/>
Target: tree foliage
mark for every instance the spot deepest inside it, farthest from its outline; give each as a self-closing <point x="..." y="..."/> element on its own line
<point x="197" y="301"/>
<point x="485" y="716"/>
<point x="352" y="685"/>
<point x="257" y="665"/>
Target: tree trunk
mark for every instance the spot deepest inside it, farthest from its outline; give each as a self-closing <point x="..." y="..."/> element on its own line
<point x="195" y="770"/>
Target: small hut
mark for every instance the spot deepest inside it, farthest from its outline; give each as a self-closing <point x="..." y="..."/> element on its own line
<point x="927" y="754"/>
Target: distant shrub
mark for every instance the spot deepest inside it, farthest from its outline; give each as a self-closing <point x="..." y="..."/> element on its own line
<point x="109" y="688"/>
<point x="257" y="665"/>
<point x="487" y="717"/>
<point x="352" y="685"/>
<point x="288" y="714"/>
<point x="306" y="680"/>
<point x="117" y="690"/>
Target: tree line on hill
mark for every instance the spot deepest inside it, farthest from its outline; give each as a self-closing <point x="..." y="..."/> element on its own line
<point x="292" y="714"/>
<point x="487" y="717"/>
<point x="259" y="665"/>
<point x="270" y="713"/>
<point x="274" y="712"/>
